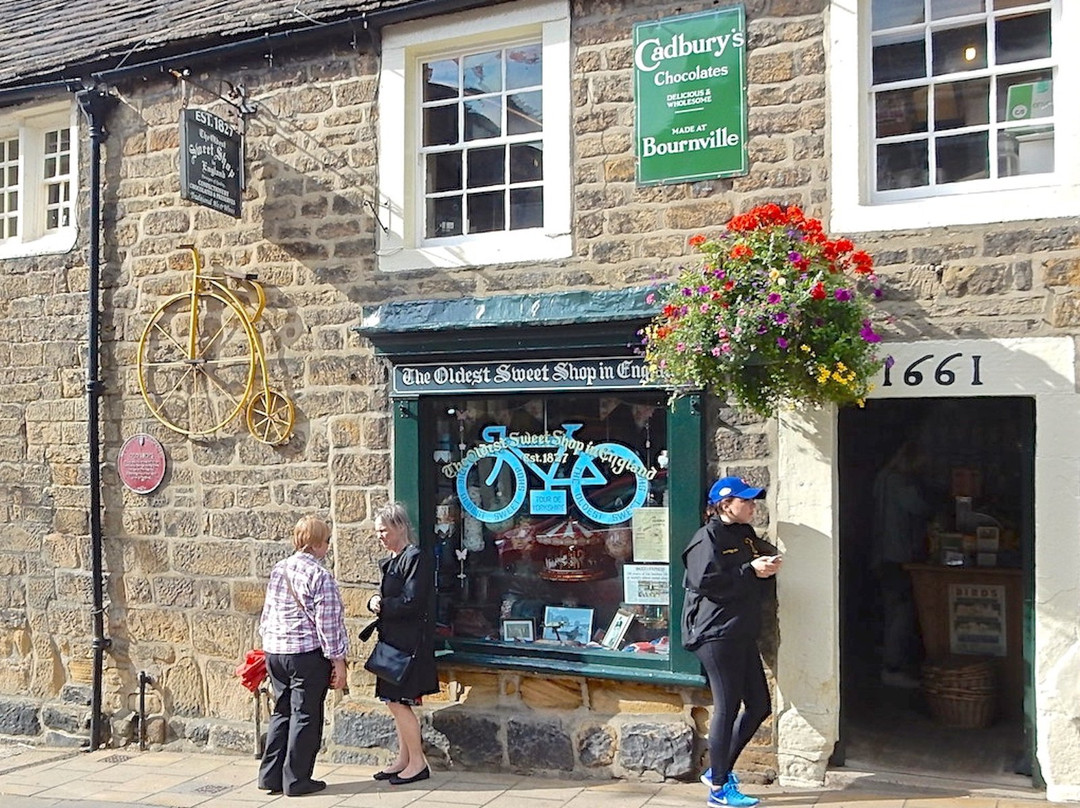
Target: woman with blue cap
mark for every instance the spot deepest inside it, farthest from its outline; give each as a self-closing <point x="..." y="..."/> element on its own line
<point x="726" y="569"/>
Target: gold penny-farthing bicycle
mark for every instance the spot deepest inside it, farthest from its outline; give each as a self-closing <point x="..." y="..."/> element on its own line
<point x="201" y="360"/>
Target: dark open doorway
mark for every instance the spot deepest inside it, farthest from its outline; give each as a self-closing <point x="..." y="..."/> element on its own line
<point x="968" y="464"/>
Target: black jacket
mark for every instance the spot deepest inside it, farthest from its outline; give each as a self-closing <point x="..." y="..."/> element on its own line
<point x="723" y="593"/>
<point x="405" y="620"/>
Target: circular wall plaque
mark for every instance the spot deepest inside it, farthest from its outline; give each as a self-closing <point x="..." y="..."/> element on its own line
<point x="141" y="463"/>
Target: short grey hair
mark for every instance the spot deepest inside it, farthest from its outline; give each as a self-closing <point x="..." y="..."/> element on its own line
<point x="394" y="513"/>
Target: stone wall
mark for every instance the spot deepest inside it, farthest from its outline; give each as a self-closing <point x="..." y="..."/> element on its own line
<point x="187" y="565"/>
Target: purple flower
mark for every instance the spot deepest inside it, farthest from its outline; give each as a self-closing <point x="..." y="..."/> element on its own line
<point x="773" y="299"/>
<point x="783" y="343"/>
<point x="867" y="332"/>
<point x="794" y="257"/>
<point x="704" y="290"/>
<point x="842" y="294"/>
<point x="762" y="328"/>
<point x="781" y="317"/>
<point x="650" y="298"/>
<point x="877" y="292"/>
<point x="687" y="292"/>
<point x="890" y="361"/>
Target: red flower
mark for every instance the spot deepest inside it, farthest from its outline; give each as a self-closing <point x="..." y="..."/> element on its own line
<point x="818" y="292"/>
<point x="697" y="241"/>
<point x="741" y="251"/>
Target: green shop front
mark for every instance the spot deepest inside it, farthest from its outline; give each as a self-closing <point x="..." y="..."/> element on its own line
<point x="555" y="489"/>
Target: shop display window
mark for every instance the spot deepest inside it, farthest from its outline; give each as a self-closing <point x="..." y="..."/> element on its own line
<point x="549" y="521"/>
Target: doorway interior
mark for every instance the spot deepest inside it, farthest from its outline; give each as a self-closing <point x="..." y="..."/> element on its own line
<point x="981" y="447"/>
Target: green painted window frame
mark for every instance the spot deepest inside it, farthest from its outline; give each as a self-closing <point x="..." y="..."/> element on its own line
<point x="560" y="325"/>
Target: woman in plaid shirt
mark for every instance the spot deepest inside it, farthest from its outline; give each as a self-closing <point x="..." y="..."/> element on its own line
<point x="303" y="631"/>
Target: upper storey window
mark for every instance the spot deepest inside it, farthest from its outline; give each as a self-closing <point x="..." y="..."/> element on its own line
<point x="37" y="181"/>
<point x="940" y="98"/>
<point x="962" y="91"/>
<point x="474" y="146"/>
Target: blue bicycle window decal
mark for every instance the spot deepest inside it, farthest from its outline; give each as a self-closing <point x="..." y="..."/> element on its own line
<point x="535" y="466"/>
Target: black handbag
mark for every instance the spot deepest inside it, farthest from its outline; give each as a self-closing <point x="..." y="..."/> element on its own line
<point x="390" y="663"/>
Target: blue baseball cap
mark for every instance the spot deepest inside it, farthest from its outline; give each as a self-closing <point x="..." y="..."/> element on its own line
<point x="733" y="487"/>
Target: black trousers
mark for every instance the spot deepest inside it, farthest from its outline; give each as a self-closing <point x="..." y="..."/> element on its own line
<point x="300" y="683"/>
<point x="736" y="677"/>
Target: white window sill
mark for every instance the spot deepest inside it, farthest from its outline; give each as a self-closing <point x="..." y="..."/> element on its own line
<point x="62" y="241"/>
<point x="501" y="249"/>
<point x="985" y="207"/>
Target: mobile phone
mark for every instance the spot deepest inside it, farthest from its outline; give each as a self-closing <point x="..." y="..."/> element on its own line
<point x="777" y="557"/>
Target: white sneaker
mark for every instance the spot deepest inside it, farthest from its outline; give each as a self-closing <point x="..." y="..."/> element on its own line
<point x="899" y="679"/>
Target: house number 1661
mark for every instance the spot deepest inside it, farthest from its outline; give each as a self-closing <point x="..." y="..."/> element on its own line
<point x="942" y="374"/>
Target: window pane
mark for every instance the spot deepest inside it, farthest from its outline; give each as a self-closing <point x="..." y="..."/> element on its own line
<point x="1002" y="4"/>
<point x="962" y="103"/>
<point x="524" y="113"/>
<point x="444" y="217"/>
<point x="943" y="9"/>
<point x="962" y="157"/>
<point x="13" y="149"/>
<point x="1018" y="39"/>
<point x="52" y="219"/>
<point x="524" y="67"/>
<point x="892" y="13"/>
<point x="958" y="49"/>
<point x="51" y="140"/>
<point x="1029" y="151"/>
<point x="54" y="194"/>
<point x="483" y="118"/>
<point x="900" y="112"/>
<point x="13" y="227"/>
<point x="487" y="166"/>
<point x="526" y="208"/>
<point x="1021" y="96"/>
<point x="482" y="73"/>
<point x="13" y="175"/>
<point x="898" y="57"/>
<point x="441" y="125"/>
<point x="440" y="80"/>
<point x="50" y="167"/>
<point x="487" y="212"/>
<point x="12" y="201"/>
<point x="65" y="139"/>
<point x="65" y="164"/>
<point x="443" y="172"/>
<point x="902" y="165"/>
<point x="527" y="162"/>
<point x="546" y="522"/>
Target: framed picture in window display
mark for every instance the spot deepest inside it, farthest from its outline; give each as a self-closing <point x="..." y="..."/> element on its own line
<point x="567" y="624"/>
<point x="616" y="631"/>
<point x="518" y="631"/>
<point x="535" y="502"/>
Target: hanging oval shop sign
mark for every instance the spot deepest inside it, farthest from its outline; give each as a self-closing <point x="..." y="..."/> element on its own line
<point x="141" y="463"/>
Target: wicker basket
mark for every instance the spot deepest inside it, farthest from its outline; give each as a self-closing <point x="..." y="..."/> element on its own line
<point x="961" y="691"/>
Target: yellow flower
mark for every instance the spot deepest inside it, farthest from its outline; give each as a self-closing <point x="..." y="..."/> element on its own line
<point x="804" y="347"/>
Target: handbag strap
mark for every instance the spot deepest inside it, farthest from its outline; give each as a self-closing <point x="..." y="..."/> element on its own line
<point x="299" y="602"/>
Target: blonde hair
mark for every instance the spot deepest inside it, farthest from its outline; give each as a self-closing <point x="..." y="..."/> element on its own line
<point x="310" y="531"/>
<point x="394" y="513"/>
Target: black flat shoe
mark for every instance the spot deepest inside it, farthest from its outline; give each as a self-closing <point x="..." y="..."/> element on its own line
<point x="423" y="774"/>
<point x="383" y="775"/>
<point x="310" y="787"/>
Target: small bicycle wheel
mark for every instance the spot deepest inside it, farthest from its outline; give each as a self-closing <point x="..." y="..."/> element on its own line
<point x="270" y="417"/>
<point x="196" y="383"/>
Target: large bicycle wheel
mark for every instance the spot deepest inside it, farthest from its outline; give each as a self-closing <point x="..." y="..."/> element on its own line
<point x="473" y="479"/>
<point x="626" y="490"/>
<point x="196" y="384"/>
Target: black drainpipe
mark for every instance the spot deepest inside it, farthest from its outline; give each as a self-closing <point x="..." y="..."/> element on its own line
<point x="95" y="103"/>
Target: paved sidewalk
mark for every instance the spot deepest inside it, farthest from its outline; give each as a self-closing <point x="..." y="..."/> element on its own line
<point x="57" y="778"/>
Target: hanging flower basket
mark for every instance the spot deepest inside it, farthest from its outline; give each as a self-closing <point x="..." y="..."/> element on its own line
<point x="777" y="314"/>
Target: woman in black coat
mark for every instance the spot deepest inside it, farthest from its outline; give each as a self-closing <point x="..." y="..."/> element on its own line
<point x="727" y="567"/>
<point x="404" y="603"/>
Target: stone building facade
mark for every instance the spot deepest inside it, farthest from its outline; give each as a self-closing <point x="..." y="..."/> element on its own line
<point x="185" y="566"/>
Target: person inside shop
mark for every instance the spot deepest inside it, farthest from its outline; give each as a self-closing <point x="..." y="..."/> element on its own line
<point x="901" y="515"/>
<point x="403" y="605"/>
<point x="305" y="641"/>
<point x="727" y="571"/>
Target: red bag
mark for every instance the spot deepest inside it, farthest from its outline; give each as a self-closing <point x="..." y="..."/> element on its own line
<point x="252" y="670"/>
